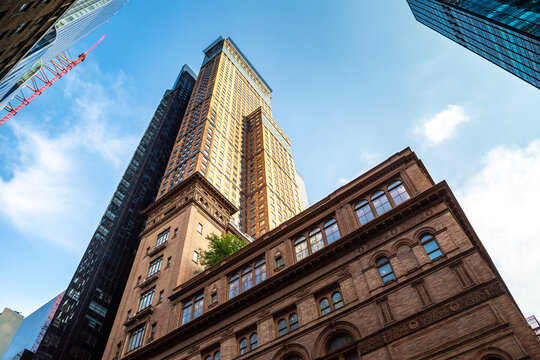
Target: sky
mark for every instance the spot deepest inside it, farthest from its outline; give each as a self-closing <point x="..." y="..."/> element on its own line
<point x="354" y="82"/>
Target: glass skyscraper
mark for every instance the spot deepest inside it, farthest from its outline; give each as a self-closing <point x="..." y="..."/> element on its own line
<point x="83" y="17"/>
<point x="31" y="331"/>
<point x="505" y="32"/>
<point x="81" y="325"/>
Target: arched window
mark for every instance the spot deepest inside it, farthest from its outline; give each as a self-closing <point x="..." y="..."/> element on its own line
<point x="260" y="271"/>
<point x="253" y="341"/>
<point x="282" y="327"/>
<point x="338" y="341"/>
<point x="397" y="192"/>
<point x="363" y="211"/>
<point x="431" y="247"/>
<point x="247" y="279"/>
<point x="234" y="286"/>
<point x="385" y="269"/>
<point x="325" y="306"/>
<point x="316" y="240"/>
<point x="293" y="321"/>
<point x="300" y="248"/>
<point x="208" y="358"/>
<point x="380" y="202"/>
<point x="243" y="346"/>
<point x="217" y="355"/>
<point x="331" y="231"/>
<point x="337" y="300"/>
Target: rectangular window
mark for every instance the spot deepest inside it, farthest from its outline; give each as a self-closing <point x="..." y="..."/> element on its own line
<point x="135" y="339"/>
<point x="146" y="299"/>
<point x="155" y="266"/>
<point x="199" y="228"/>
<point x="164" y="236"/>
<point x="196" y="257"/>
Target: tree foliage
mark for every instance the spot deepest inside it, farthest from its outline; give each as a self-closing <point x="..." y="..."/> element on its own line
<point x="219" y="247"/>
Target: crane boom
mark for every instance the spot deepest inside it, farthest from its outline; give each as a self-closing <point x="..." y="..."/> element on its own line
<point x="60" y="68"/>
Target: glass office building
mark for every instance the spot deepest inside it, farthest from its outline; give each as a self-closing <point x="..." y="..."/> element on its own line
<point x="505" y="32"/>
<point x="83" y="17"/>
<point x="80" y="327"/>
<point x="31" y="331"/>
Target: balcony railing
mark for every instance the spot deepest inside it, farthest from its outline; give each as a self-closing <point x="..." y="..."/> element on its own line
<point x="150" y="279"/>
<point x="157" y="249"/>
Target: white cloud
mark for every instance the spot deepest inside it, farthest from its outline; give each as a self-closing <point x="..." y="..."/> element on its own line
<point x="47" y="193"/>
<point x="368" y="160"/>
<point x="501" y="201"/>
<point x="442" y="125"/>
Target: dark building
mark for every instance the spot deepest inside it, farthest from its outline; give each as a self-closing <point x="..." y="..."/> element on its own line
<point x="80" y="327"/>
<point x="22" y="24"/>
<point x="505" y="32"/>
<point x="30" y="333"/>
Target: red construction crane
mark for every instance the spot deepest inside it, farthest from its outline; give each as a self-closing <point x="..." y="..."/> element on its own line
<point x="57" y="68"/>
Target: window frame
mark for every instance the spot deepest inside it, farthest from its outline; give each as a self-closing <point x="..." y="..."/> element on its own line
<point x="250" y="276"/>
<point x="247" y="337"/>
<point x="328" y="296"/>
<point x="286" y="318"/>
<point x="315" y="232"/>
<point x="376" y="195"/>
<point x="380" y="264"/>
<point x="431" y="239"/>
<point x="135" y="338"/>
<point x="195" y="304"/>
<point x="154" y="267"/>
<point x="148" y="294"/>
<point x="162" y="237"/>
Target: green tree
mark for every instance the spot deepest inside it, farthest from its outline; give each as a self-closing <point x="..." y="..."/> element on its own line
<point x="219" y="247"/>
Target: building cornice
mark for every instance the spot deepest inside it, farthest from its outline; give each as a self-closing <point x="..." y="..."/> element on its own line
<point x="189" y="181"/>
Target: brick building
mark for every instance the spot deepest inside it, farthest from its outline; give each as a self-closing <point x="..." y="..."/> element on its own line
<point x="386" y="267"/>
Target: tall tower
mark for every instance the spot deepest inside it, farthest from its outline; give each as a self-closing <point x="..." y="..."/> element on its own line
<point x="231" y="171"/>
<point x="229" y="137"/>
<point x="81" y="325"/>
<point x="505" y="32"/>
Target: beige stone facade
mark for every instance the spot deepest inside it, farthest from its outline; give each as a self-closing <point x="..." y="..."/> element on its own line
<point x="229" y="137"/>
<point x="386" y="267"/>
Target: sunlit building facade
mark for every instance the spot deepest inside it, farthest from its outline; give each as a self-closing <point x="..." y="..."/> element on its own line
<point x="229" y="136"/>
<point x="83" y="17"/>
<point x="385" y="267"/>
<point x="505" y="32"/>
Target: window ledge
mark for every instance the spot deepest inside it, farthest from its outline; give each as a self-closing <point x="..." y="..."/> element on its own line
<point x="157" y="249"/>
<point x="141" y="314"/>
<point x="149" y="280"/>
<point x="279" y="268"/>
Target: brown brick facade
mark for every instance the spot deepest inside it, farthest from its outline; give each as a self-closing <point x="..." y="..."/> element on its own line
<point x="451" y="304"/>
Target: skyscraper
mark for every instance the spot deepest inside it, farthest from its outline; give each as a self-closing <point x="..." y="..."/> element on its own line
<point x="30" y="333"/>
<point x="83" y="17"/>
<point x="505" y="32"/>
<point x="229" y="136"/>
<point x="81" y="325"/>
<point x="231" y="171"/>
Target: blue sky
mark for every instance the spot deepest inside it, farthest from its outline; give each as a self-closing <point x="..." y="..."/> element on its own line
<point x="354" y="82"/>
